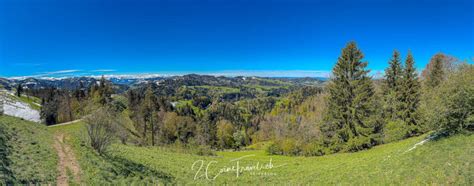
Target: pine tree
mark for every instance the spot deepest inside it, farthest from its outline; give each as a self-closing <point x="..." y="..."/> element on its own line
<point x="393" y="73"/>
<point x="350" y="122"/>
<point x="105" y="91"/>
<point x="148" y="110"/>
<point x="392" y="87"/>
<point x="410" y="95"/>
<point x="19" y="90"/>
<point x="1" y="101"/>
<point x="436" y="73"/>
<point x="80" y="93"/>
<point x="102" y="93"/>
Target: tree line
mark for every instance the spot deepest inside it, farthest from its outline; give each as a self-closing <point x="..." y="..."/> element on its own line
<point x="351" y="112"/>
<point x="360" y="112"/>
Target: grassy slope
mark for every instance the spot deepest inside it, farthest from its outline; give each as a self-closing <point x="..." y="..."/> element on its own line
<point x="445" y="161"/>
<point x="100" y="170"/>
<point x="30" y="156"/>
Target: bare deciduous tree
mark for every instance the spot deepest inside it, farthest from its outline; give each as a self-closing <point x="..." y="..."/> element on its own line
<point x="101" y="128"/>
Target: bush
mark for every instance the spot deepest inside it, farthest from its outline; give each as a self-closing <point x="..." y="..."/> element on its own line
<point x="225" y="131"/>
<point x="358" y="143"/>
<point x="457" y="95"/>
<point x="287" y="146"/>
<point x="101" y="127"/>
<point x="394" y="131"/>
<point x="314" y="149"/>
<point x="240" y="139"/>
<point x="449" y="107"/>
<point x="290" y="147"/>
<point x="274" y="149"/>
<point x="205" y="151"/>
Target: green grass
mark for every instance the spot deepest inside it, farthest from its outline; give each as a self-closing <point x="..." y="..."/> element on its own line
<point x="107" y="169"/>
<point x="30" y="154"/>
<point x="222" y="89"/>
<point x="445" y="161"/>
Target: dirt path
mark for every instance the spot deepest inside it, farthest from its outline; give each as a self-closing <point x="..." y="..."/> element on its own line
<point x="67" y="161"/>
<point x="66" y="123"/>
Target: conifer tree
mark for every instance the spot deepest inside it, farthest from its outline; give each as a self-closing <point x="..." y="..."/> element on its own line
<point x="436" y="73"/>
<point x="393" y="73"/>
<point x="19" y="90"/>
<point x="148" y="110"/>
<point x="392" y="87"/>
<point x="410" y="95"/>
<point x="1" y="101"/>
<point x="105" y="91"/>
<point x="102" y="93"/>
<point x="349" y="122"/>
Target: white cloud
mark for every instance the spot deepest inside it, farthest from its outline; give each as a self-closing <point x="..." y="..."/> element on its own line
<point x="103" y="70"/>
<point x="230" y="73"/>
<point x="62" y="72"/>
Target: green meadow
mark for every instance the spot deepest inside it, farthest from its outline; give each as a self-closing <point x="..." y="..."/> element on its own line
<point x="441" y="161"/>
<point x="26" y="152"/>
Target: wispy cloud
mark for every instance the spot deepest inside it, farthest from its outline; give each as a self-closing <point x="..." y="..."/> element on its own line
<point x="230" y="73"/>
<point x="103" y="70"/>
<point x="52" y="74"/>
<point x="62" y="72"/>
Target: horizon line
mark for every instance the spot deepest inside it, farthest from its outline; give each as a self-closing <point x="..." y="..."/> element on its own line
<point x="228" y="73"/>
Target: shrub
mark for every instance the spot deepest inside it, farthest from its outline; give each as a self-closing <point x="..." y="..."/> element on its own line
<point x="290" y="147"/>
<point x="274" y="149"/>
<point x="394" y="131"/>
<point x="101" y="127"/>
<point x="313" y="149"/>
<point x="240" y="139"/>
<point x="205" y="151"/>
<point x="358" y="143"/>
<point x="450" y="106"/>
<point x="225" y="131"/>
<point x="458" y="98"/>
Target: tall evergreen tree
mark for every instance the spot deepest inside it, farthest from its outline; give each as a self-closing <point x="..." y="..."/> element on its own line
<point x="19" y="90"/>
<point x="410" y="95"/>
<point x="350" y="123"/>
<point x="105" y="91"/>
<point x="148" y="110"/>
<point x="393" y="73"/>
<point x="1" y="102"/>
<point x="392" y="87"/>
<point x="436" y="73"/>
<point x="102" y="93"/>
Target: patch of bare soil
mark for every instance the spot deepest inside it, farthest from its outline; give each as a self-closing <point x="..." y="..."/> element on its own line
<point x="67" y="161"/>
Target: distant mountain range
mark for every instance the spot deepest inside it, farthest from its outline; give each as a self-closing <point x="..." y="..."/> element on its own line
<point x="122" y="83"/>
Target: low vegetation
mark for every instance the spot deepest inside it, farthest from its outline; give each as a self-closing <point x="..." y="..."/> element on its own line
<point x="442" y="161"/>
<point x="26" y="152"/>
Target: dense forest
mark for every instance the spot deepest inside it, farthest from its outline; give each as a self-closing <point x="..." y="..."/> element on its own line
<point x="348" y="112"/>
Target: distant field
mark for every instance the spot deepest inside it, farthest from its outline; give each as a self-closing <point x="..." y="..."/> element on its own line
<point x="445" y="161"/>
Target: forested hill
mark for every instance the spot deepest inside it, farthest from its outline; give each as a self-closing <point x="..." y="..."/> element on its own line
<point x="123" y="83"/>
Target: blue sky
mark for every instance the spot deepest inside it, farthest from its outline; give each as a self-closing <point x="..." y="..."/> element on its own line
<point x="282" y="37"/>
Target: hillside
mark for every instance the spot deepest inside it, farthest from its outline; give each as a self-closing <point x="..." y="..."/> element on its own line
<point x="26" y="153"/>
<point x="443" y="161"/>
<point x="123" y="83"/>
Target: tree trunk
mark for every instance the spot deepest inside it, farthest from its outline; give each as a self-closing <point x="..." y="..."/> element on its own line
<point x="144" y="132"/>
<point x="152" y="132"/>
